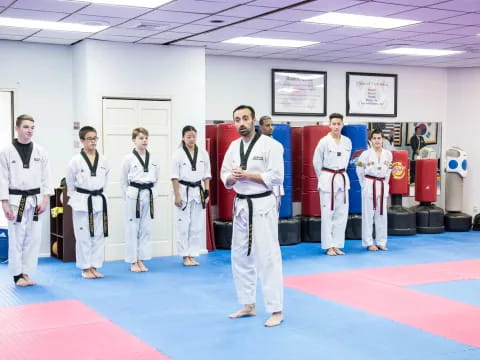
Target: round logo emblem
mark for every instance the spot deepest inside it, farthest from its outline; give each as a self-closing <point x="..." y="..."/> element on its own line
<point x="398" y="170"/>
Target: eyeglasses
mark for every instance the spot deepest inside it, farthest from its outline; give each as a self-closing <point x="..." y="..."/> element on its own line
<point x="92" y="138"/>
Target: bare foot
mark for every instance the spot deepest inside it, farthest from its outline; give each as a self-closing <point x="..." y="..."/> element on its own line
<point x="274" y="320"/>
<point x="372" y="248"/>
<point x="29" y="281"/>
<point x="331" y="252"/>
<point x="87" y="274"/>
<point x="193" y="262"/>
<point x="95" y="273"/>
<point x="135" y="268"/>
<point x="186" y="261"/>
<point x="247" y="310"/>
<point x="142" y="266"/>
<point x="382" y="247"/>
<point x="338" y="251"/>
<point x="22" y="282"/>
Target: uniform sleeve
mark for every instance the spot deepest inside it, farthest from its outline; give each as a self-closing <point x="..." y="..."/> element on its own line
<point x="273" y="175"/>
<point x="47" y="188"/>
<point x="208" y="171"/>
<point x="389" y="171"/>
<point x="124" y="175"/>
<point x="70" y="178"/>
<point x="361" y="168"/>
<point x="175" y="167"/>
<point x="227" y="168"/>
<point x="348" y="151"/>
<point x="318" y="158"/>
<point x="4" y="171"/>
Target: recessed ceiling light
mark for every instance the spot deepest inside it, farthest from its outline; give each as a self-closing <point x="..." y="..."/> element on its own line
<point x="50" y="25"/>
<point x="217" y="21"/>
<point x="376" y="22"/>
<point x="269" y="42"/>
<point x="137" y="3"/>
<point x="420" y="52"/>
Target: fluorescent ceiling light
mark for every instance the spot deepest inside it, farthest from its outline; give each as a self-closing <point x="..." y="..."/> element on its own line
<point x="376" y="22"/>
<point x="50" y="25"/>
<point x="420" y="52"/>
<point x="245" y="40"/>
<point x="137" y="3"/>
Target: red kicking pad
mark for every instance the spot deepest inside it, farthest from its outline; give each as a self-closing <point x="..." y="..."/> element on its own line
<point x="378" y="291"/>
<point x="67" y="330"/>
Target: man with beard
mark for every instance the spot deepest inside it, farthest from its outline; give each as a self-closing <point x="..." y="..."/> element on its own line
<point x="252" y="166"/>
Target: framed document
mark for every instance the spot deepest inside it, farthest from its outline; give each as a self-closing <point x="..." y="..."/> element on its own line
<point x="429" y="131"/>
<point x="299" y="92"/>
<point x="371" y="94"/>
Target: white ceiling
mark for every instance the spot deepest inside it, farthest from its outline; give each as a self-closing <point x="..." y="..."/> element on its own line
<point x="447" y="24"/>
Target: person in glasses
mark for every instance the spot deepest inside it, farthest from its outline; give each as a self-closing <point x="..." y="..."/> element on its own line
<point x="87" y="178"/>
<point x="190" y="177"/>
<point x="25" y="190"/>
<point x="140" y="173"/>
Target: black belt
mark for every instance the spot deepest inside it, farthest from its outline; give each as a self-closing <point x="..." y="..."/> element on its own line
<point x="140" y="187"/>
<point x="91" y="193"/>
<point x="335" y="173"/>
<point x="382" y="181"/>
<point x="23" y="201"/>
<point x="250" y="214"/>
<point x="195" y="184"/>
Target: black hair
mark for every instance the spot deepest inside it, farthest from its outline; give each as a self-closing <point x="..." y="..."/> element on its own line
<point x="85" y="130"/>
<point x="263" y="119"/>
<point x="335" y="116"/>
<point x="240" y="107"/>
<point x="376" y="131"/>
<point x="187" y="129"/>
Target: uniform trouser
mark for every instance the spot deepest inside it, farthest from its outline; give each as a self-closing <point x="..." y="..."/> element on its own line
<point x="334" y="221"/>
<point x="137" y="237"/>
<point x="90" y="251"/>
<point x="369" y="216"/>
<point x="189" y="228"/>
<point x="265" y="258"/>
<point x="24" y="240"/>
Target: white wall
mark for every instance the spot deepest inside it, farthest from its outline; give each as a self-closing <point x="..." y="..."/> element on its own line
<point x="462" y="128"/>
<point x="422" y="92"/>
<point x="41" y="77"/>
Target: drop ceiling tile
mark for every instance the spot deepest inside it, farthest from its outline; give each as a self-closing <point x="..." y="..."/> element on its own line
<point x="329" y="5"/>
<point x="149" y="25"/>
<point x="129" y="32"/>
<point x="11" y="37"/>
<point x="261" y="24"/>
<point x="429" y="27"/>
<point x="169" y="36"/>
<point x="413" y="2"/>
<point x="192" y="28"/>
<point x="125" y="12"/>
<point x="33" y="14"/>
<point x="467" y="30"/>
<point x="117" y="38"/>
<point x="246" y="11"/>
<point x="376" y="9"/>
<point x="291" y="15"/>
<point x="465" y="40"/>
<point x="171" y="16"/>
<point x="83" y="19"/>
<point x="273" y="3"/>
<point x="47" y="5"/>
<point x="287" y="35"/>
<point x="71" y="35"/>
<point x="433" y="37"/>
<point x="346" y="31"/>
<point x="5" y="2"/>
<point x="197" y="6"/>
<point x="468" y="19"/>
<point x="47" y="40"/>
<point x="427" y="14"/>
<point x="392" y="34"/>
<point x="215" y="52"/>
<point x="303" y="27"/>
<point x="222" y="34"/>
<point x="461" y="5"/>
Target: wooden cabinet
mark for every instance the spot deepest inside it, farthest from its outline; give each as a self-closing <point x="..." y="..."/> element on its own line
<point x="62" y="238"/>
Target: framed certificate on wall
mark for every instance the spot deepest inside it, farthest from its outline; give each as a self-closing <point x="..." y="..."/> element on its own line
<point x="299" y="92"/>
<point x="371" y="94"/>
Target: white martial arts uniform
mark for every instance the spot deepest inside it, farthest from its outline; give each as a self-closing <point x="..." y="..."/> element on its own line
<point x="266" y="159"/>
<point x="24" y="238"/>
<point x="330" y="155"/>
<point x="90" y="250"/>
<point x="190" y="217"/>
<point x="137" y="236"/>
<point x="370" y="166"/>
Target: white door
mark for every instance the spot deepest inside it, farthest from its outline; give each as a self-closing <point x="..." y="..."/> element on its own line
<point x="120" y="117"/>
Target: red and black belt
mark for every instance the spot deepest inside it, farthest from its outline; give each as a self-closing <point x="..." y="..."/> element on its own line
<point x="250" y="214"/>
<point x="335" y="173"/>
<point x="374" y="184"/>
